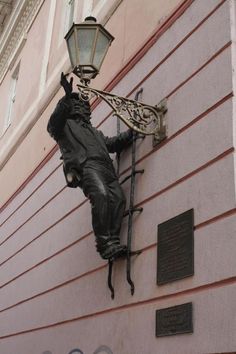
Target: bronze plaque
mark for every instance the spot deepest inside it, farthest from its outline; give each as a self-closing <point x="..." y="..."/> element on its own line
<point x="174" y="320"/>
<point x="175" y="255"/>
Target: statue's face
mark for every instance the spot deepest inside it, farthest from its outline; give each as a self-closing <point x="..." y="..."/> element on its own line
<point x="79" y="108"/>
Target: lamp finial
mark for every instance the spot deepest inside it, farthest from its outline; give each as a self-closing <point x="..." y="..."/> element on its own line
<point x="90" y="18"/>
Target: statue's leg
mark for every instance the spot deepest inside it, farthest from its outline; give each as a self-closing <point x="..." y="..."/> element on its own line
<point x="117" y="203"/>
<point x="96" y="190"/>
<point x="96" y="186"/>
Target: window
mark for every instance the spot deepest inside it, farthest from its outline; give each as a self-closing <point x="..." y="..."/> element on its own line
<point x="67" y="18"/>
<point x="12" y="96"/>
<point x="69" y="15"/>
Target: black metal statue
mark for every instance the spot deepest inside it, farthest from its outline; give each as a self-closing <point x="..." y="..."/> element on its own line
<point x="87" y="164"/>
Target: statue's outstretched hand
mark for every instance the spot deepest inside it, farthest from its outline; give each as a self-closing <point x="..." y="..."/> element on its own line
<point x="68" y="86"/>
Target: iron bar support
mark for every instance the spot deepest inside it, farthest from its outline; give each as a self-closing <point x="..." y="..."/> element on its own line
<point x="110" y="267"/>
<point x="128" y="212"/>
<point x="131" y="208"/>
<point x="110" y="262"/>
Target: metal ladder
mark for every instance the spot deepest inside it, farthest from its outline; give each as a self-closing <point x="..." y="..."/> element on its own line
<point x="129" y="212"/>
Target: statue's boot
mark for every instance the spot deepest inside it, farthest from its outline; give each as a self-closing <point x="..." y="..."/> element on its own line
<point x="110" y="247"/>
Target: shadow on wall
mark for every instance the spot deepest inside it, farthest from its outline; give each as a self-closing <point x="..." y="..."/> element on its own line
<point x="103" y="349"/>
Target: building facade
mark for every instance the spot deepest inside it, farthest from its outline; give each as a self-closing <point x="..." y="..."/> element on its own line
<point x="53" y="285"/>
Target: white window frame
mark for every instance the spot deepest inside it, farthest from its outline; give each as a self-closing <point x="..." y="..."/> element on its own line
<point x="69" y="15"/>
<point x="67" y="18"/>
<point x="12" y="98"/>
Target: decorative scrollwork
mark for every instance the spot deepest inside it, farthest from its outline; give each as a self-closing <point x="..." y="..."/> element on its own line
<point x="142" y="118"/>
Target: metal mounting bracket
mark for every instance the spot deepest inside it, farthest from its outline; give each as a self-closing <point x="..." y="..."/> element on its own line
<point x="161" y="133"/>
<point x="143" y="118"/>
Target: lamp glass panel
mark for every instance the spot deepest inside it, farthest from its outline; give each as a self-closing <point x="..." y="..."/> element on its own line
<point x="101" y="48"/>
<point x="72" y="50"/>
<point x="85" y="39"/>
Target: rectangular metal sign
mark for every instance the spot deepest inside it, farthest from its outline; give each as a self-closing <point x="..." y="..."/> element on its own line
<point x="175" y="252"/>
<point x="174" y="320"/>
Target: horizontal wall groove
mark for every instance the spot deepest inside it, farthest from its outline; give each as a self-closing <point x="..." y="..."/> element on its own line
<point x="182" y="130"/>
<point x="214" y="56"/>
<point x="177" y="46"/>
<point x="205" y="223"/>
<point x="193" y="291"/>
<point x="98" y="269"/>
<point x="150" y="43"/>
<point x="226" y="46"/>
<point x="216" y="218"/>
<point x="194" y="121"/>
<point x="146" y="47"/>
<point x="141" y="203"/>
<point x="83" y="275"/>
<point x="35" y="213"/>
<point x="43" y="233"/>
<point x="46" y="259"/>
<point x="31" y="194"/>
<point x="173" y="16"/>
<point x="189" y="175"/>
<point x="152" y="40"/>
<point x="153" y="297"/>
<point x="29" y="178"/>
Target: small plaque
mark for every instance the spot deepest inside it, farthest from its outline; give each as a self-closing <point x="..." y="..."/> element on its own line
<point x="175" y="256"/>
<point x="174" y="320"/>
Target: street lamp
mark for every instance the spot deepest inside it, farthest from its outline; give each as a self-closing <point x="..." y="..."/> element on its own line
<point x="88" y="43"/>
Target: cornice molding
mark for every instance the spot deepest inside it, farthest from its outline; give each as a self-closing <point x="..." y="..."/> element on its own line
<point x="15" y="32"/>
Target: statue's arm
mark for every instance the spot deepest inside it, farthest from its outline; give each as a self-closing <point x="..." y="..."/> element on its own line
<point x="119" y="142"/>
<point x="58" y="118"/>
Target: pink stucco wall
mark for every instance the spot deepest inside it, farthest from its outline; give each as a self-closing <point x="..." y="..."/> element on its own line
<point x="53" y="292"/>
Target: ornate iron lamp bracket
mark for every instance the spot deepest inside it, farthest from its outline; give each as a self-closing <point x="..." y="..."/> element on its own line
<point x="142" y="118"/>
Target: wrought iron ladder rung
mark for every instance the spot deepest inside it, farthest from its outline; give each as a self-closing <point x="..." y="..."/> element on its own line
<point x="132" y="211"/>
<point x="131" y="175"/>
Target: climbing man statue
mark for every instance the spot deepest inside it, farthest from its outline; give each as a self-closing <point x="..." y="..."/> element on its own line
<point x="87" y="164"/>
